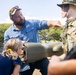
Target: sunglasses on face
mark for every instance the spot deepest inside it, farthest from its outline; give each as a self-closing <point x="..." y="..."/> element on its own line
<point x="65" y="6"/>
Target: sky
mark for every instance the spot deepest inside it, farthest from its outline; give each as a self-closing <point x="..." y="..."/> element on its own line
<point x="32" y="9"/>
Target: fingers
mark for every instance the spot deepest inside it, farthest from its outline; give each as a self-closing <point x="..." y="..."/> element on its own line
<point x="57" y="23"/>
<point x="54" y="23"/>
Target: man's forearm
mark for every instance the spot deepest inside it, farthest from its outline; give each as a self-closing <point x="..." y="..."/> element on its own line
<point x="67" y="67"/>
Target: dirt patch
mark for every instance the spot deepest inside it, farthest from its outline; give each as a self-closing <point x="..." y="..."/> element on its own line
<point x="36" y="72"/>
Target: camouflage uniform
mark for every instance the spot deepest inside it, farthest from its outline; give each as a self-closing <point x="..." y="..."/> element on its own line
<point x="69" y="35"/>
<point x="69" y="31"/>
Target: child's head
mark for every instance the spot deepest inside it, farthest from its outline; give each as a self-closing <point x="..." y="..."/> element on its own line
<point x="13" y="44"/>
<point x="13" y="47"/>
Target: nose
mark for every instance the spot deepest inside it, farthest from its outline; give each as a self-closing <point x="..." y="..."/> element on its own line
<point x="21" y="17"/>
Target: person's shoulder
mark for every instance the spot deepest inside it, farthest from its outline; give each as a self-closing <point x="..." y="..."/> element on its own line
<point x="32" y="20"/>
<point x="74" y="23"/>
<point x="17" y="61"/>
<point x="8" y="29"/>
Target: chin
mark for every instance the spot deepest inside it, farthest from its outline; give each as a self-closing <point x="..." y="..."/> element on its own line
<point x="64" y="16"/>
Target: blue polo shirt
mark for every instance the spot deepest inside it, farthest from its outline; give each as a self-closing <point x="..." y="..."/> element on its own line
<point x="7" y="65"/>
<point x="28" y="33"/>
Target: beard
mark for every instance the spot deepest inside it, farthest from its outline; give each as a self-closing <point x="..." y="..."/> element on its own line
<point x="20" y="23"/>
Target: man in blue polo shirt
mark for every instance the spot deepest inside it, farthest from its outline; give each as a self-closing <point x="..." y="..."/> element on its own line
<point x="27" y="30"/>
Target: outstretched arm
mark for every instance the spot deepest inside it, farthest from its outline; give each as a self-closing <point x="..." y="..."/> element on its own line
<point x="54" y="23"/>
<point x="67" y="67"/>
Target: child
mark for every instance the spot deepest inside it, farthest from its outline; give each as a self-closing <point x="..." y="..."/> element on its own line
<point x="10" y="62"/>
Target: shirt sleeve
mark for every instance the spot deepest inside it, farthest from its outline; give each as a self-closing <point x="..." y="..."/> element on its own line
<point x="6" y="38"/>
<point x="41" y="24"/>
<point x="17" y="61"/>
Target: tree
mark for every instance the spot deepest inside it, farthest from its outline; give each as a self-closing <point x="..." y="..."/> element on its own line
<point x="3" y="27"/>
<point x="50" y="34"/>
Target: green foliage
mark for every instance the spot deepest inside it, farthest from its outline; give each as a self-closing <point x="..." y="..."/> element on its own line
<point x="3" y="27"/>
<point x="47" y="34"/>
<point x="50" y="34"/>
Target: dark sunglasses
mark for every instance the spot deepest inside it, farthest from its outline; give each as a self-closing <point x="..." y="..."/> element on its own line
<point x="65" y="6"/>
